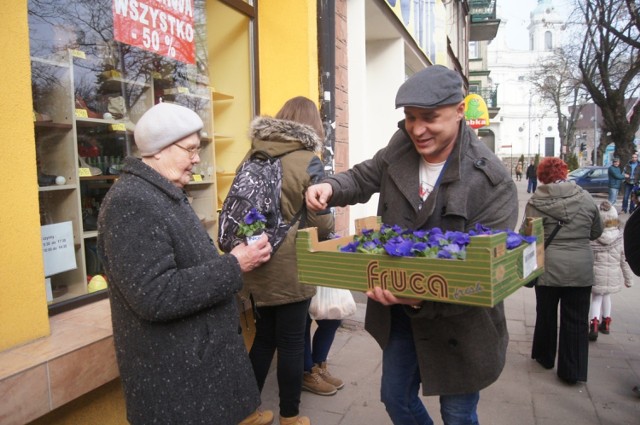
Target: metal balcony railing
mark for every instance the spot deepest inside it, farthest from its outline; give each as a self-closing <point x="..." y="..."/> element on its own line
<point x="482" y="10"/>
<point x="490" y="96"/>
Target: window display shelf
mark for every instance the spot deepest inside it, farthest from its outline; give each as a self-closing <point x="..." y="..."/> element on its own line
<point x="218" y="96"/>
<point x="202" y="182"/>
<point x="219" y="138"/>
<point x="90" y="234"/>
<point x="48" y="127"/>
<point x="57" y="188"/>
<point x="74" y="140"/>
<point x="99" y="177"/>
<point x="115" y="83"/>
<point x="53" y="62"/>
<point x="175" y="97"/>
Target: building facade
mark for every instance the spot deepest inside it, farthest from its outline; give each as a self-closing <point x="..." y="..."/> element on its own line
<point x="57" y="362"/>
<point x="525" y="125"/>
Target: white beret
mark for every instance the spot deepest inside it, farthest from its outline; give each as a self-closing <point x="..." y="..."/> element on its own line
<point x="164" y="124"/>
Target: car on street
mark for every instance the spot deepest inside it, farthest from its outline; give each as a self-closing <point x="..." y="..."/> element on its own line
<point x="593" y="179"/>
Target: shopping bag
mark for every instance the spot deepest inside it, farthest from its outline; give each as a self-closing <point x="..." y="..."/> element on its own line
<point x="332" y="303"/>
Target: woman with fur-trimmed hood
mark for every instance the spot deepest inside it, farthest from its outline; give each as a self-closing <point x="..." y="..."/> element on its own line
<point x="295" y="136"/>
<point x="610" y="270"/>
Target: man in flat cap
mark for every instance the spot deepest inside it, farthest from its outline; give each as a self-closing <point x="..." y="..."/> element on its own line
<point x="434" y="172"/>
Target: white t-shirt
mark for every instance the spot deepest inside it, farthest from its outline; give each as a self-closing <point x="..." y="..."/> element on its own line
<point x="428" y="177"/>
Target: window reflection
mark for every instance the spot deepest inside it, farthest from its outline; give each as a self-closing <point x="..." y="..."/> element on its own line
<point x="57" y="27"/>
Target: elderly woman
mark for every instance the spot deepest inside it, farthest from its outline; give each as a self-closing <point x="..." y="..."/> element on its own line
<point x="568" y="274"/>
<point x="181" y="356"/>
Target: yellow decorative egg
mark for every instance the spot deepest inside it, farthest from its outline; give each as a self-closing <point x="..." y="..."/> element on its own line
<point x="97" y="283"/>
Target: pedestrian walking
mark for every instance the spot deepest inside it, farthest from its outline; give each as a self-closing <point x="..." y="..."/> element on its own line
<point x="532" y="177"/>
<point x="519" y="171"/>
<point x="568" y="271"/>
<point x="610" y="271"/>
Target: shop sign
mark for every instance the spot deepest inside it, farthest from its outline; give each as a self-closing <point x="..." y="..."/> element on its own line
<point x="164" y="27"/>
<point x="57" y="248"/>
<point x="475" y="111"/>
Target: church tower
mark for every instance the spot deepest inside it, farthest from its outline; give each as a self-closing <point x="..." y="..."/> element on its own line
<point x="545" y="27"/>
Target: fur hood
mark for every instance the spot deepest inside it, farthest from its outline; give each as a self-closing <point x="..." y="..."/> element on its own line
<point x="273" y="130"/>
<point x="609" y="236"/>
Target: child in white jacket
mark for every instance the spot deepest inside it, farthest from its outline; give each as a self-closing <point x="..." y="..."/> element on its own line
<point x="610" y="269"/>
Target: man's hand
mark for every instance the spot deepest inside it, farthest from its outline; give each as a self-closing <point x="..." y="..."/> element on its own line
<point x="318" y="195"/>
<point x="252" y="256"/>
<point x="384" y="297"/>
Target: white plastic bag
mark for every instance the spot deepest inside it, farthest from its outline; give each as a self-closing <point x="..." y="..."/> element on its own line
<point x="332" y="303"/>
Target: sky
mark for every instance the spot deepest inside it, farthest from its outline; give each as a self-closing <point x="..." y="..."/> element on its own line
<point x="516" y="13"/>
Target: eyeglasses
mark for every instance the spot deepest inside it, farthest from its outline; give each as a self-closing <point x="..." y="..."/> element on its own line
<point x="192" y="151"/>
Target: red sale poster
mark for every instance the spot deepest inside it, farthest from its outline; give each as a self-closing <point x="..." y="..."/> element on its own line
<point x="164" y="27"/>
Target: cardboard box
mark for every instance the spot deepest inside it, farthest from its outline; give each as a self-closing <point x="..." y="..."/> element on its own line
<point x="487" y="276"/>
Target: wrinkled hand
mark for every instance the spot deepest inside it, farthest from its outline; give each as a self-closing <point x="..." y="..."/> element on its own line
<point x="318" y="195"/>
<point x="384" y="297"/>
<point x="252" y="256"/>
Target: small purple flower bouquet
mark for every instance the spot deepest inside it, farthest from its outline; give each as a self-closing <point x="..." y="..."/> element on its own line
<point x="399" y="242"/>
<point x="252" y="226"/>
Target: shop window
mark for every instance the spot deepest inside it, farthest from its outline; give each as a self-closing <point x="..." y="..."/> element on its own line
<point x="97" y="66"/>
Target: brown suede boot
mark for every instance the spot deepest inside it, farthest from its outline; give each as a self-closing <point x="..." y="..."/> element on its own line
<point x="295" y="420"/>
<point x="322" y="370"/>
<point x="314" y="383"/>
<point x="259" y="417"/>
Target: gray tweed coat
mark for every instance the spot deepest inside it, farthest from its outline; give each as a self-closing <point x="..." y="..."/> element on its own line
<point x="461" y="349"/>
<point x="181" y="356"/>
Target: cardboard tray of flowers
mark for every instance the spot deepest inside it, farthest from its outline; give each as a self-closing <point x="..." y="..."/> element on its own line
<point x="489" y="272"/>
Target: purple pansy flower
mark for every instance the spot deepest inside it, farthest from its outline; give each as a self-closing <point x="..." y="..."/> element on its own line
<point x="399" y="247"/>
<point x="252" y="216"/>
<point x="399" y="242"/>
<point x="350" y="247"/>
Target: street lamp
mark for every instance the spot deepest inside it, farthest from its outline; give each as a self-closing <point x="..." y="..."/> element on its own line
<point x="595" y="134"/>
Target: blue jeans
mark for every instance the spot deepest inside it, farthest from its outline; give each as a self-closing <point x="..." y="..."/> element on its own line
<point x="317" y="349"/>
<point x="625" y="199"/>
<point x="613" y="195"/>
<point x="532" y="185"/>
<point x="401" y="382"/>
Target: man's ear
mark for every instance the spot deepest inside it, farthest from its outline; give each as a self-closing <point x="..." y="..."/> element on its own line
<point x="460" y="110"/>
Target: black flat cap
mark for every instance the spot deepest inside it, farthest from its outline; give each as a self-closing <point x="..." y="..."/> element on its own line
<point x="431" y="87"/>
